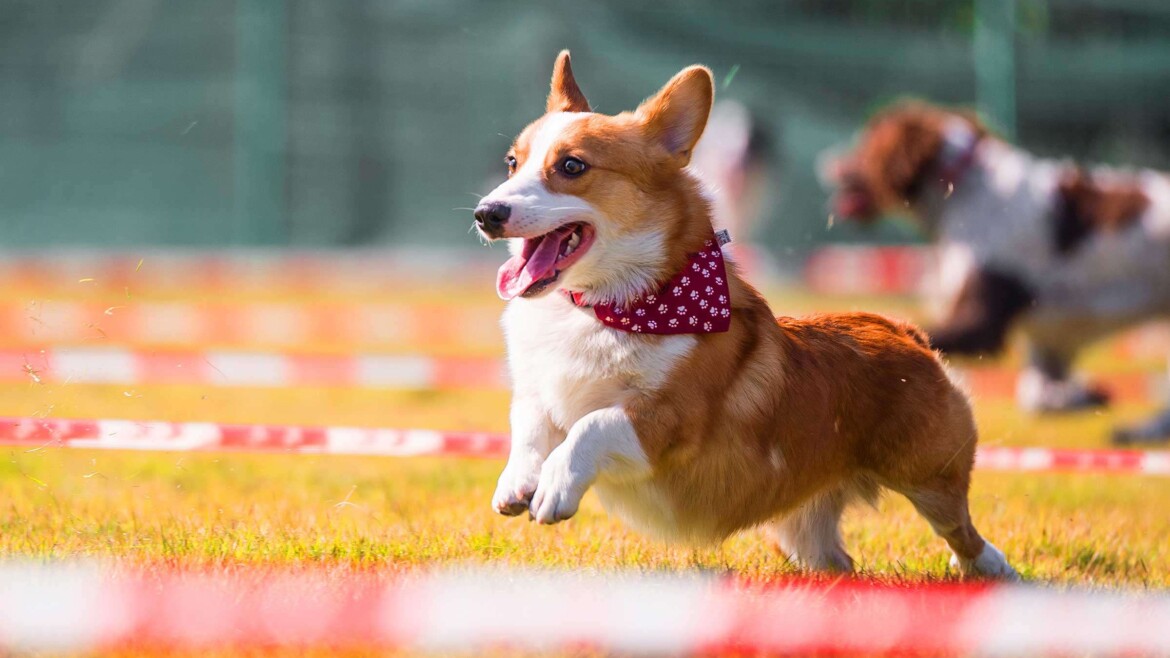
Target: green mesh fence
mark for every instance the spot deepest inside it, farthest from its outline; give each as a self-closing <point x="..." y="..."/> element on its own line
<point x="301" y="123"/>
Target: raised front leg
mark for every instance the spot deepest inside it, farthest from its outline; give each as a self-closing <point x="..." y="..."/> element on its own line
<point x="603" y="444"/>
<point x="533" y="437"/>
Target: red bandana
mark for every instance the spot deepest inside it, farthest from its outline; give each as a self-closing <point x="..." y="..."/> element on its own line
<point x="695" y="301"/>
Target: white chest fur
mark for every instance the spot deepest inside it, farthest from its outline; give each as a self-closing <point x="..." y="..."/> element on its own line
<point x="571" y="364"/>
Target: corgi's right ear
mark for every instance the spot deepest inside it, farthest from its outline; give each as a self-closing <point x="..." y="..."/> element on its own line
<point x="565" y="95"/>
<point x="677" y="114"/>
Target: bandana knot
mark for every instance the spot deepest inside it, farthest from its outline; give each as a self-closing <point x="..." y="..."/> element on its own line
<point x="696" y="300"/>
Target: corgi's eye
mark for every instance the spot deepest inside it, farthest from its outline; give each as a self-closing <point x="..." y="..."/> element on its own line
<point x="572" y="166"/>
<point x="511" y="162"/>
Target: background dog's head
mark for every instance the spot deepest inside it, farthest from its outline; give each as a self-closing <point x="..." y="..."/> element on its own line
<point x="598" y="204"/>
<point x="902" y="150"/>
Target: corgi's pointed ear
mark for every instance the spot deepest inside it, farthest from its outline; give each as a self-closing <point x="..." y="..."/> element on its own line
<point x="565" y="95"/>
<point x="677" y="114"/>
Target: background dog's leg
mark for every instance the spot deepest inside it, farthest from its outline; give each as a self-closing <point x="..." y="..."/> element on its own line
<point x="987" y="305"/>
<point x="533" y="438"/>
<point x="810" y="535"/>
<point x="602" y="444"/>
<point x="1153" y="431"/>
<point x="943" y="502"/>
<point x="1048" y="386"/>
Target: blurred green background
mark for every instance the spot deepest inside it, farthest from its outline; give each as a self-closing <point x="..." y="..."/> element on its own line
<point x="314" y="123"/>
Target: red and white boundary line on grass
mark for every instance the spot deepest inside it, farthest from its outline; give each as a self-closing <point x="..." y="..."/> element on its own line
<point x="114" y="365"/>
<point x="133" y="367"/>
<point x="36" y="433"/>
<point x="325" y="272"/>
<point x="61" y="608"/>
<point x="43" y="433"/>
<point x="260" y="324"/>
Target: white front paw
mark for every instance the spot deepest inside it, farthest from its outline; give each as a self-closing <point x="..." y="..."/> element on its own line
<point x="514" y="489"/>
<point x="558" y="495"/>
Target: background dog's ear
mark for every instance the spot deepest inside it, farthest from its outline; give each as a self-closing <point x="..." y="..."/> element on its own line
<point x="677" y="114"/>
<point x="565" y="95"/>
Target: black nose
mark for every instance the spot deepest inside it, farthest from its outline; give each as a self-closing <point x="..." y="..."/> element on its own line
<point x="492" y="215"/>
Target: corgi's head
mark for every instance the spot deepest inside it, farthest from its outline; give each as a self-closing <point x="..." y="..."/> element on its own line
<point x="601" y="205"/>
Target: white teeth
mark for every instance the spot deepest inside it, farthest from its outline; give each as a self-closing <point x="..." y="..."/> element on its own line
<point x="571" y="244"/>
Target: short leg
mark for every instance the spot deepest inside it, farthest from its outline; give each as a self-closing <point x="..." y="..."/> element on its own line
<point x="533" y="438"/>
<point x="944" y="504"/>
<point x="810" y="535"/>
<point x="602" y="443"/>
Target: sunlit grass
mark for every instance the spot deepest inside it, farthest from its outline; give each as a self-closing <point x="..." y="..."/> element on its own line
<point x="349" y="512"/>
<point x="221" y="511"/>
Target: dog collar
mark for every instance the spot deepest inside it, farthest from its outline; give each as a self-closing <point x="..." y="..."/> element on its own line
<point x="960" y="144"/>
<point x="696" y="300"/>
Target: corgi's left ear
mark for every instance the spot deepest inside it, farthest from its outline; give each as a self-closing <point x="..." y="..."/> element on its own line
<point x="564" y="94"/>
<point x="677" y="114"/>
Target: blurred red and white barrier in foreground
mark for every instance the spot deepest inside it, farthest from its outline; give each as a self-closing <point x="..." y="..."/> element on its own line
<point x="78" y="608"/>
<point x="41" y="433"/>
<point x="132" y="367"/>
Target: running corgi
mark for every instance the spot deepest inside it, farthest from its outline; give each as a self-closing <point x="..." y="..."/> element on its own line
<point x="643" y="365"/>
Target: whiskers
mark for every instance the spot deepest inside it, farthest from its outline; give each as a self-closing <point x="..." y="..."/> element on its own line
<point x="479" y="234"/>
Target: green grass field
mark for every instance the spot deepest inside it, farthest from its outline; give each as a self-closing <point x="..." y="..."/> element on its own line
<point x="225" y="511"/>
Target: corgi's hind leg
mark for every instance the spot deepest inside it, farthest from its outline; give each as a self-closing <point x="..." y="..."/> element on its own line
<point x="943" y="503"/>
<point x="810" y="535"/>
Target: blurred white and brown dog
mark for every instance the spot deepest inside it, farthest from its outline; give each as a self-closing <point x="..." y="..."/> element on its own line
<point x="1064" y="253"/>
<point x="643" y="366"/>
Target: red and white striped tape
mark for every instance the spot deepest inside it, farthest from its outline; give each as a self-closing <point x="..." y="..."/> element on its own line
<point x="129" y="366"/>
<point x="369" y="324"/>
<point x="113" y="365"/>
<point x="38" y="433"/>
<point x="323" y="272"/>
<point x="74" y="608"/>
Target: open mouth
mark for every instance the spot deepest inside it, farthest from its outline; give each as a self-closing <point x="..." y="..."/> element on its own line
<point x="542" y="260"/>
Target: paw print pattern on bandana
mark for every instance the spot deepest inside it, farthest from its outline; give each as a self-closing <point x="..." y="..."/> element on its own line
<point x="699" y="301"/>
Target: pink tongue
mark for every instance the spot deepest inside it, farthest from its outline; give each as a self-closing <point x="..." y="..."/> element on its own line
<point x="518" y="273"/>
